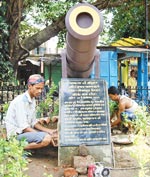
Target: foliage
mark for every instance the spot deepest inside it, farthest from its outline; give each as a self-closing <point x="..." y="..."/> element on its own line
<point x="113" y="106"/>
<point x="128" y="20"/>
<point x="141" y="127"/>
<point x="5" y="66"/>
<point x="5" y="107"/>
<point x="142" y="151"/>
<point x="141" y="121"/>
<point x="27" y="30"/>
<point x="12" y="162"/>
<point x="46" y="175"/>
<point x="123" y="24"/>
<point x="45" y="15"/>
<point x="49" y="105"/>
<point x="61" y="38"/>
<point x="49" y="11"/>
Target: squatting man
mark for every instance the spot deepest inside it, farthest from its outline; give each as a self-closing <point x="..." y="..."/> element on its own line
<point x="126" y="106"/>
<point x="21" y="117"/>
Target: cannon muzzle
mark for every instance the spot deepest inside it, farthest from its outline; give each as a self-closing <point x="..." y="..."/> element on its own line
<point x="84" y="23"/>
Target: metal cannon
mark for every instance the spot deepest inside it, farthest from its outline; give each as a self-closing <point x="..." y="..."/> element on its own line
<point x="84" y="23"/>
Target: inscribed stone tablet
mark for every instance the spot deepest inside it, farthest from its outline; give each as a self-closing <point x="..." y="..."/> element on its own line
<point x="84" y="112"/>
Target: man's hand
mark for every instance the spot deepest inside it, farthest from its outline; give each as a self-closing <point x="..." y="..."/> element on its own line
<point x="54" y="119"/>
<point x="54" y="134"/>
<point x="47" y="120"/>
<point x="43" y="121"/>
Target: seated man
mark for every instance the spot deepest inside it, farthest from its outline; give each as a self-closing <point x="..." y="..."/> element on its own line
<point x="126" y="106"/>
<point x="21" y="117"/>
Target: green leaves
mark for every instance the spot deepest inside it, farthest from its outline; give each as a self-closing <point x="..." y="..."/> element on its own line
<point x="113" y="106"/>
<point x="5" y="66"/>
<point x="12" y="163"/>
<point x="142" y="120"/>
<point x="128" y="20"/>
<point x="49" y="105"/>
<point x="45" y="12"/>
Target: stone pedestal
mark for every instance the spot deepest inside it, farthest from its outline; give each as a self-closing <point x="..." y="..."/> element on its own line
<point x="84" y="119"/>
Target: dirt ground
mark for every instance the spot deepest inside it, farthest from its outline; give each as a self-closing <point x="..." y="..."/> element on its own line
<point x="125" y="165"/>
<point x="47" y="164"/>
<point x="45" y="161"/>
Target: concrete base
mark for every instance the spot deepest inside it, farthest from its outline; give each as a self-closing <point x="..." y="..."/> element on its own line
<point x="102" y="153"/>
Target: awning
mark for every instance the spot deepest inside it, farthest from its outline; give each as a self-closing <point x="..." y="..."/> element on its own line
<point x="131" y="41"/>
<point x="37" y="63"/>
<point x="134" y="49"/>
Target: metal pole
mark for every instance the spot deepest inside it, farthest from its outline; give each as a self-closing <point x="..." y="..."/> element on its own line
<point x="146" y="22"/>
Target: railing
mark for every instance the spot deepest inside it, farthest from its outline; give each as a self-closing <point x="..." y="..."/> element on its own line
<point x="142" y="95"/>
<point x="8" y="92"/>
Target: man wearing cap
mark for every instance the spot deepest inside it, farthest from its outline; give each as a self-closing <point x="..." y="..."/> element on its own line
<point x="21" y="117"/>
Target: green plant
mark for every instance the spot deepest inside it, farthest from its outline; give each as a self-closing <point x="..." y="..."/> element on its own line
<point x="49" y="105"/>
<point x="142" y="119"/>
<point x="140" y="122"/>
<point x="113" y="106"/>
<point x="12" y="163"/>
<point x="5" y="107"/>
<point x="45" y="174"/>
<point x="141" y="152"/>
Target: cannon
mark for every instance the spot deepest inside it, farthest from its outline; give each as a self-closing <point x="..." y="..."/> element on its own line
<point x="84" y="118"/>
<point x="84" y="23"/>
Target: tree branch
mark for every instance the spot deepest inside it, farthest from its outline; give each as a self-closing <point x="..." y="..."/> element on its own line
<point x="18" y="51"/>
<point x="106" y="4"/>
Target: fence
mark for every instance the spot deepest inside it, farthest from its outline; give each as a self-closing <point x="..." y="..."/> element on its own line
<point x="9" y="92"/>
<point x="142" y="95"/>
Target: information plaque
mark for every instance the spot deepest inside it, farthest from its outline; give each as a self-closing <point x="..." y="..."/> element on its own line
<point x="84" y="112"/>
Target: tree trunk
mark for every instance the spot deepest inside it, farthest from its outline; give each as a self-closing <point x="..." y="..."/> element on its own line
<point x="13" y="15"/>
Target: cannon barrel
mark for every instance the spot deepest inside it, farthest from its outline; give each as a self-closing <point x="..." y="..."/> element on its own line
<point x="84" y="23"/>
